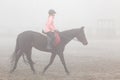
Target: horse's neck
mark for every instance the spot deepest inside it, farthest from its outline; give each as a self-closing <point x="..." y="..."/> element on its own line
<point x="68" y="35"/>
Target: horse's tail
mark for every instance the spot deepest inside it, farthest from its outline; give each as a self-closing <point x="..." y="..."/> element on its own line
<point x="15" y="52"/>
<point x="17" y="49"/>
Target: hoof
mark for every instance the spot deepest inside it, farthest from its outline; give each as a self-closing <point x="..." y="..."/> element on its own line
<point x="68" y="74"/>
<point x="11" y="71"/>
<point x="34" y="72"/>
<point x="43" y="73"/>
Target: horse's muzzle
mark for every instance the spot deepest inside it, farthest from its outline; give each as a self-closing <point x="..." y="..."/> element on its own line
<point x="85" y="43"/>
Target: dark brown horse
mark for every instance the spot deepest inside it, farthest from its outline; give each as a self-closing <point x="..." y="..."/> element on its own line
<point x="28" y="39"/>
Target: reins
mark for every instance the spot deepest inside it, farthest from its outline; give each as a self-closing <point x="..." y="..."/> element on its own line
<point x="62" y="36"/>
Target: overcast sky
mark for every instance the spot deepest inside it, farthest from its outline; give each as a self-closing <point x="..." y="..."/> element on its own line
<point x="32" y="14"/>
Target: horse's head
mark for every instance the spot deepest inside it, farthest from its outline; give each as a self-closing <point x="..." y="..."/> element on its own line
<point x="81" y="36"/>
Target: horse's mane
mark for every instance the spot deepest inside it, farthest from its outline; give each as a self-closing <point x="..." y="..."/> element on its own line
<point x="60" y="32"/>
<point x="69" y="31"/>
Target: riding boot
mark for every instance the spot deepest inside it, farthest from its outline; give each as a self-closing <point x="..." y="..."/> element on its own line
<point x="50" y="39"/>
<point x="49" y="46"/>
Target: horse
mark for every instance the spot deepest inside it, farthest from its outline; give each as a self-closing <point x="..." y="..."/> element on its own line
<point x="28" y="39"/>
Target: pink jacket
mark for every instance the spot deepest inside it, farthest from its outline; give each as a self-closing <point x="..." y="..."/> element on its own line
<point x="50" y="27"/>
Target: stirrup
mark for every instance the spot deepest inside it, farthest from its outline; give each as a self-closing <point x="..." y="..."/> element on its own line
<point x="48" y="47"/>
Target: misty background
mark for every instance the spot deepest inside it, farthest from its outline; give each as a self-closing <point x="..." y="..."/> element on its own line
<point x="99" y="60"/>
<point x="100" y="17"/>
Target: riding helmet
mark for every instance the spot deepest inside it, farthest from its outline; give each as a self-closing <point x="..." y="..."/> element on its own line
<point x="51" y="11"/>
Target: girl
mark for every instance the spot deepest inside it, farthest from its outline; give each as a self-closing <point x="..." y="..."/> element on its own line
<point x="50" y="29"/>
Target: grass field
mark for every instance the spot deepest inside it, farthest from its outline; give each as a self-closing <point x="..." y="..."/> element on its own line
<point x="99" y="60"/>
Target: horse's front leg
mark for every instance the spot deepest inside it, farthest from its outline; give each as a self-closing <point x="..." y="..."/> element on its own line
<point x="51" y="61"/>
<point x="61" y="56"/>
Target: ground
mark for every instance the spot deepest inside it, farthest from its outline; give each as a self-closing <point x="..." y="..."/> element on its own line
<point x="99" y="60"/>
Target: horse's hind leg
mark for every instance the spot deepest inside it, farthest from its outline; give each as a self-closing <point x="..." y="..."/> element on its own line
<point x="17" y="57"/>
<point x="28" y="54"/>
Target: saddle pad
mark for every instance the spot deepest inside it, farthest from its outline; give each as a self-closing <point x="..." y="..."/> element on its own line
<point x="57" y="38"/>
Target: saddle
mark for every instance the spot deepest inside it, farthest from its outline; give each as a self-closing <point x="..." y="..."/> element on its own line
<point x="57" y="37"/>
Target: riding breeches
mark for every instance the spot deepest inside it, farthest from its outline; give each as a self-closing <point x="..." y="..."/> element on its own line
<point x="51" y="38"/>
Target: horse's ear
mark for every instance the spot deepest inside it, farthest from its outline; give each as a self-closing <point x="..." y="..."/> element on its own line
<point x="82" y="27"/>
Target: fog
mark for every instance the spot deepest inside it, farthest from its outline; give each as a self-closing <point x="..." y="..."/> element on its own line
<point x="21" y="15"/>
<point x="99" y="60"/>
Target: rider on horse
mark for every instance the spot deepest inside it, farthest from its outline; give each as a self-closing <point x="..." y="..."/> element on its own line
<point x="50" y="29"/>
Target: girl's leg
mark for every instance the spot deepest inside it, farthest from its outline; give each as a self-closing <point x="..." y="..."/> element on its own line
<point x="50" y="40"/>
